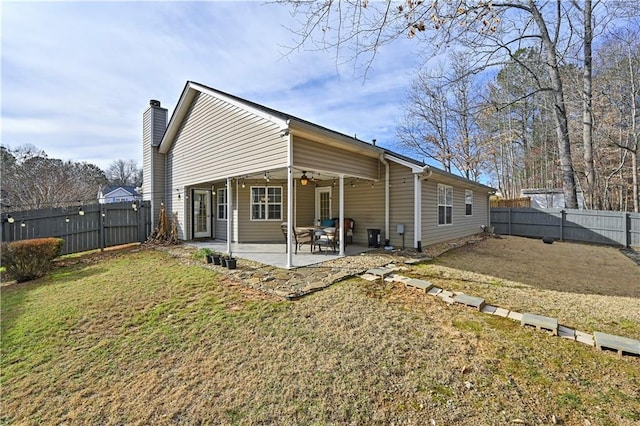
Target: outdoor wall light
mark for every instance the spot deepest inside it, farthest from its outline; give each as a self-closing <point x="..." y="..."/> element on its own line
<point x="80" y="211"/>
<point x="213" y="190"/>
<point x="10" y="219"/>
<point x="134" y="206"/>
<point x="178" y="191"/>
<point x="243" y="184"/>
<point x="304" y="180"/>
<point x="23" y="224"/>
<point x="67" y="219"/>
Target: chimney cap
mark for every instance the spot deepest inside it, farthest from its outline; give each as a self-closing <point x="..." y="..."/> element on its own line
<point x="154" y="103"/>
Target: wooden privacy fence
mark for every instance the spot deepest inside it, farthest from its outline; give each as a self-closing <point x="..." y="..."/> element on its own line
<point x="82" y="228"/>
<point x="592" y="226"/>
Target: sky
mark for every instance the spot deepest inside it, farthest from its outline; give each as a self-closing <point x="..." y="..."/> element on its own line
<point x="77" y="76"/>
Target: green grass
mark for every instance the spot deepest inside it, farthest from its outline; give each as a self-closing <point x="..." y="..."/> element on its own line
<point x="144" y="338"/>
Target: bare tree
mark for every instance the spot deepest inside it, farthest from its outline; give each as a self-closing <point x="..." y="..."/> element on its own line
<point x="32" y="180"/>
<point x="440" y="118"/>
<point x="124" y="172"/>
<point x="493" y="30"/>
<point x="619" y="107"/>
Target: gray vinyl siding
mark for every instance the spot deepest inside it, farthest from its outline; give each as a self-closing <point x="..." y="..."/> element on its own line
<point x="146" y="154"/>
<point x="305" y="202"/>
<point x="154" y="168"/>
<point x="259" y="230"/>
<point x="219" y="140"/>
<point x="401" y="205"/>
<point x="159" y="125"/>
<point x="365" y="205"/>
<point x="220" y="225"/>
<point x="461" y="225"/>
<point x="317" y="156"/>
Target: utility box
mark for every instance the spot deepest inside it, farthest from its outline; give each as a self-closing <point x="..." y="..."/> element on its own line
<point x="373" y="237"/>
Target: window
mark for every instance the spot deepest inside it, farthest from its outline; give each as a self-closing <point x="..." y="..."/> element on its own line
<point x="445" y="204"/>
<point x="222" y="203"/>
<point x="266" y="203"/>
<point x="468" y="202"/>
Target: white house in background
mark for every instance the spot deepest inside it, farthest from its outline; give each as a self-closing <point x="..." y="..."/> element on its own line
<point x="548" y="198"/>
<point x="118" y="194"/>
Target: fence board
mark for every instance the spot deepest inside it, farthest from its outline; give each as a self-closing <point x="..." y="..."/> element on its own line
<point x="101" y="225"/>
<point x="593" y="226"/>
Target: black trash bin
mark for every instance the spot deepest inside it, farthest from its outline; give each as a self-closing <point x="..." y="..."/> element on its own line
<point x="373" y="236"/>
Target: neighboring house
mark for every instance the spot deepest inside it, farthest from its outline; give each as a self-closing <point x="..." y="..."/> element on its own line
<point x="228" y="167"/>
<point x="549" y="198"/>
<point x="118" y="194"/>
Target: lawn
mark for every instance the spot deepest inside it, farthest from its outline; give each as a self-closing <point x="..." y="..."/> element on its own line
<point x="140" y="337"/>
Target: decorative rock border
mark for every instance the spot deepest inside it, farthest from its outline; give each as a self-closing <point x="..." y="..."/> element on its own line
<point x="623" y="345"/>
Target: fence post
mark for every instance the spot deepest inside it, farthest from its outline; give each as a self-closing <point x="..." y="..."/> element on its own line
<point x="102" y="214"/>
<point x="563" y="215"/>
<point x="626" y="219"/>
<point x="509" y="219"/>
<point x="139" y="220"/>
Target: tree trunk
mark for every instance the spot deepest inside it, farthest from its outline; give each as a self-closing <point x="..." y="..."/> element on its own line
<point x="559" y="108"/>
<point x="634" y="174"/>
<point x="587" y="115"/>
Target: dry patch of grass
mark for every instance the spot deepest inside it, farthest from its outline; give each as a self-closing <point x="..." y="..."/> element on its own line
<point x="561" y="266"/>
<point x="143" y="338"/>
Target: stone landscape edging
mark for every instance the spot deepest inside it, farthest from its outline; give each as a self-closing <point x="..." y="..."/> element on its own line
<point x="623" y="345"/>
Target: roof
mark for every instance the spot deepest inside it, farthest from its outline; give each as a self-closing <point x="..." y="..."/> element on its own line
<point x="108" y="189"/>
<point x="287" y="121"/>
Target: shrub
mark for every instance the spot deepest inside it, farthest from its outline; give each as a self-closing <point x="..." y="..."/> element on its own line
<point x="202" y="253"/>
<point x="30" y="259"/>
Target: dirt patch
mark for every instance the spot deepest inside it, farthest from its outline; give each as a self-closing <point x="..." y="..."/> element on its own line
<point x="561" y="266"/>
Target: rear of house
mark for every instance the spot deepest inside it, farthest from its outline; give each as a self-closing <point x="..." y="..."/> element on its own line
<point x="234" y="170"/>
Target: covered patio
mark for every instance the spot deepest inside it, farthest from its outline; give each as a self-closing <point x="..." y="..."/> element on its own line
<point x="273" y="254"/>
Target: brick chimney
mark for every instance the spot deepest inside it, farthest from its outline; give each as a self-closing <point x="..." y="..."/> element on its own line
<point x="154" y="124"/>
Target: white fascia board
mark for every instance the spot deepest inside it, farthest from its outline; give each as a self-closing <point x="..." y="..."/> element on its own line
<point x="185" y="102"/>
<point x="281" y="123"/>
<point x="415" y="168"/>
<point x="176" y="119"/>
<point x="114" y="193"/>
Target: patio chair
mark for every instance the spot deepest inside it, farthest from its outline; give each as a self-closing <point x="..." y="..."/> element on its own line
<point x="325" y="237"/>
<point x="300" y="237"/>
<point x="349" y="225"/>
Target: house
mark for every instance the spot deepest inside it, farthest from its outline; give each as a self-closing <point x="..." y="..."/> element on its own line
<point x="235" y="170"/>
<point x="118" y="194"/>
<point x="549" y="198"/>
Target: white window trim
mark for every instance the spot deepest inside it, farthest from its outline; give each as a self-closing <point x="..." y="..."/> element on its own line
<point x="445" y="205"/>
<point x="266" y="204"/>
<point x="218" y="204"/>
<point x="468" y="191"/>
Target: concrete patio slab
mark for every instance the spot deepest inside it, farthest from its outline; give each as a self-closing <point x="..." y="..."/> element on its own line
<point x="274" y="254"/>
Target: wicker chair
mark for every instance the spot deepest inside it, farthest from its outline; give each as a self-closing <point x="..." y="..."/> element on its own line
<point x="300" y="237"/>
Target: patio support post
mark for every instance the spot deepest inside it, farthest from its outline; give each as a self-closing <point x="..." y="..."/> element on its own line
<point x="289" y="215"/>
<point x="417" y="213"/>
<point x="341" y="215"/>
<point x="229" y="216"/>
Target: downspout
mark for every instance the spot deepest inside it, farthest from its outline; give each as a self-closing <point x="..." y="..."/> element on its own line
<point x="229" y="216"/>
<point x="386" y="200"/>
<point x="341" y="216"/>
<point x="417" y="213"/>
